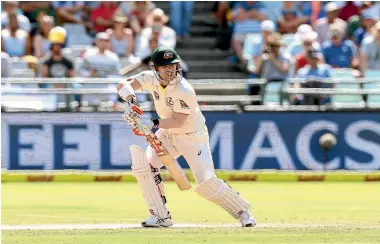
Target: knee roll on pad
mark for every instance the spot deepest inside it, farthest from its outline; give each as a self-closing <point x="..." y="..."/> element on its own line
<point x="218" y="192"/>
<point x="146" y="178"/>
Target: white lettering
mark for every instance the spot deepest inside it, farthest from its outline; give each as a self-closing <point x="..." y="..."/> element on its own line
<point x="352" y="138"/>
<point x="223" y="133"/>
<point x="278" y="150"/>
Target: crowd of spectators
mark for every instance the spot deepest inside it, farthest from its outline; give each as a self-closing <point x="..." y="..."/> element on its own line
<point x="98" y="39"/>
<point x="281" y="40"/>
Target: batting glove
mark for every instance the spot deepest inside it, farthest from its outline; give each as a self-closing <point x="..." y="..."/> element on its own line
<point x="143" y="128"/>
<point x="132" y="112"/>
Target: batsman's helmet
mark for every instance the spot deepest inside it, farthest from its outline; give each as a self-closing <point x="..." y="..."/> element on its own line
<point x="163" y="56"/>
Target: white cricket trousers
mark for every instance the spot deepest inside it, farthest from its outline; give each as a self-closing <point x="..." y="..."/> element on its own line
<point x="194" y="147"/>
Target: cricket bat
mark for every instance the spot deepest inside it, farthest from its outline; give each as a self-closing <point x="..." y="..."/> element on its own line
<point x="170" y="164"/>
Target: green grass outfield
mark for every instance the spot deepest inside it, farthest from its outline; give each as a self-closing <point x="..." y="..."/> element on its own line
<point x="287" y="212"/>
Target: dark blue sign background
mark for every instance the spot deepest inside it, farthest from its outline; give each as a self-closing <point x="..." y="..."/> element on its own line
<point x="256" y="140"/>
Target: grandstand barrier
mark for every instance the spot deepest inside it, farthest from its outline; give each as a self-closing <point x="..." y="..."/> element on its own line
<point x="347" y="91"/>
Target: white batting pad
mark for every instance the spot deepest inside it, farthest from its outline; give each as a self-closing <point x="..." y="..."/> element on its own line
<point x="218" y="192"/>
<point x="144" y="176"/>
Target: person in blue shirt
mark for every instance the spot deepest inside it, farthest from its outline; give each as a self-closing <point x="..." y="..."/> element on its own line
<point x="339" y="53"/>
<point x="314" y="73"/>
<point x="247" y="17"/>
<point x="368" y="19"/>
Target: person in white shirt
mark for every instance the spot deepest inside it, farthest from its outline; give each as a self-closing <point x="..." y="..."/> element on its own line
<point x="102" y="63"/>
<point x="155" y="35"/>
<point x="182" y="130"/>
<point x="99" y="61"/>
<point x="322" y="25"/>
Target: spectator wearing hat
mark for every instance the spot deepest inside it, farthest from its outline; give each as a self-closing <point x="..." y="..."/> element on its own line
<point x="56" y="65"/>
<point x="314" y="73"/>
<point x="10" y="8"/>
<point x="370" y="51"/>
<point x="101" y="16"/>
<point x="122" y="40"/>
<point x="303" y="37"/>
<point x="273" y="65"/>
<point x="368" y="20"/>
<point x="247" y="17"/>
<point x="322" y="25"/>
<point x="99" y="61"/>
<point x="156" y="34"/>
<point x="339" y="53"/>
<point x="180" y="14"/>
<point x="255" y="50"/>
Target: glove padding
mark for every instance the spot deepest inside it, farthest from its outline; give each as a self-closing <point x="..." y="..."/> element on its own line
<point x="143" y="128"/>
<point x="132" y="112"/>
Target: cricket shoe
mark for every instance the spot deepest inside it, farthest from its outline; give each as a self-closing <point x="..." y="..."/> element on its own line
<point x="246" y="219"/>
<point x="156" y="222"/>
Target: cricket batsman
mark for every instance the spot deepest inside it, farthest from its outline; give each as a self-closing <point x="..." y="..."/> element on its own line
<point x="182" y="131"/>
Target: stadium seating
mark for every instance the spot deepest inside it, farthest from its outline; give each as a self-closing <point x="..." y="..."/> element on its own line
<point x="342" y="74"/>
<point x="18" y="63"/>
<point x="373" y="100"/>
<point x="23" y="73"/>
<point x="343" y="101"/>
<point x="272" y="94"/>
<point x="347" y="101"/>
<point x="372" y="74"/>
